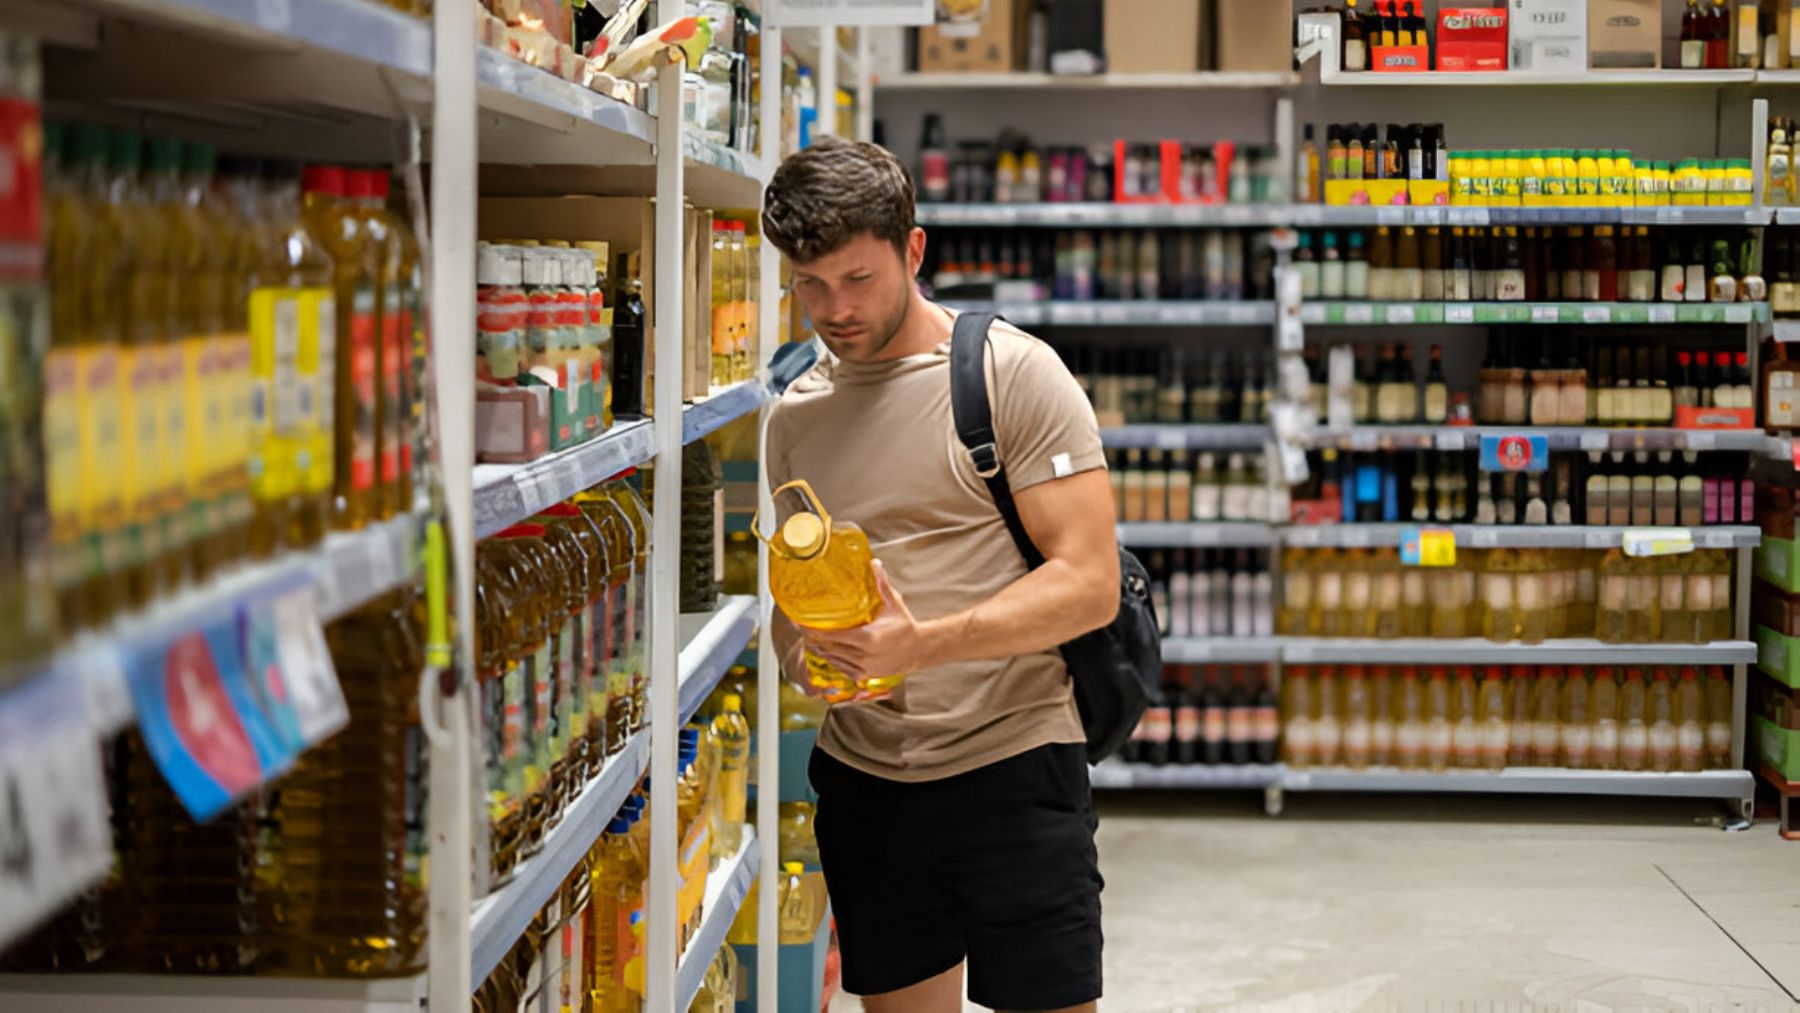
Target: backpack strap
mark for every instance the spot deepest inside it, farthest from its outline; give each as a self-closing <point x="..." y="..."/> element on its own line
<point x="975" y="422"/>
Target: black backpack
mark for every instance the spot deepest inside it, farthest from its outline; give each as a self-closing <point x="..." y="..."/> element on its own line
<point x="1115" y="668"/>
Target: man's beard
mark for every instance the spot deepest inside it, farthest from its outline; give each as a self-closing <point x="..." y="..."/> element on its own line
<point x="887" y="331"/>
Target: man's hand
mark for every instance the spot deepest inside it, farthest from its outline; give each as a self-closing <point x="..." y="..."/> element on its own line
<point x="893" y="644"/>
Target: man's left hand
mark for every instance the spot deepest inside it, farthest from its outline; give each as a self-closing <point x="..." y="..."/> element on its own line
<point x="892" y="644"/>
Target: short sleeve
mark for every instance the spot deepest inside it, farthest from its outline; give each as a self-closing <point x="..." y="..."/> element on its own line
<point x="1043" y="423"/>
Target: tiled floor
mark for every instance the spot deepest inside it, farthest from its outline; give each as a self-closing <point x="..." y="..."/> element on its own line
<point x="1466" y="904"/>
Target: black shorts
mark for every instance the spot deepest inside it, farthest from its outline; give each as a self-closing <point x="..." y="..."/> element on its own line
<point x="996" y="866"/>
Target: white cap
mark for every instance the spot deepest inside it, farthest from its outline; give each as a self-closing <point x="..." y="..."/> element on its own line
<point x="487" y="265"/>
<point x="509" y="266"/>
<point x="541" y="267"/>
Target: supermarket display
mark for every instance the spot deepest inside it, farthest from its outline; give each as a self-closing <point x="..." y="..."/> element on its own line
<point x="1208" y="716"/>
<point x="1083" y="264"/>
<point x="1181" y="486"/>
<point x="1211" y="593"/>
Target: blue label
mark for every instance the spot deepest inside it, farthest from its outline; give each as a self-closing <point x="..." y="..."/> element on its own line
<point x="266" y="685"/>
<point x="190" y="722"/>
<point x="1515" y="452"/>
<point x="1368" y="484"/>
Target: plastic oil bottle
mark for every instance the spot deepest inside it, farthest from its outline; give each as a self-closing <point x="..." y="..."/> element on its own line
<point x="567" y="773"/>
<point x="615" y="564"/>
<point x="238" y="237"/>
<point x="1297" y="741"/>
<point x="143" y="331"/>
<point x="1409" y="721"/>
<point x="1518" y="714"/>
<point x="1690" y="737"/>
<point x="1381" y="723"/>
<point x="798" y="906"/>
<point x="70" y="242"/>
<point x="1718" y="718"/>
<point x="1546" y="708"/>
<point x="505" y="619"/>
<point x="637" y="514"/>
<point x="1603" y="707"/>
<point x="1465" y="732"/>
<point x="193" y="415"/>
<point x="584" y="543"/>
<point x="337" y="225"/>
<point x="344" y="855"/>
<point x="542" y="579"/>
<point x="1439" y="733"/>
<point x="389" y="239"/>
<point x="1662" y="721"/>
<point x="1491" y="719"/>
<point x="1328" y="732"/>
<point x="613" y="890"/>
<point x="1577" y="727"/>
<point x="821" y="573"/>
<point x="179" y="245"/>
<point x="733" y="734"/>
<point x="1634" y="728"/>
<point x="1355" y="717"/>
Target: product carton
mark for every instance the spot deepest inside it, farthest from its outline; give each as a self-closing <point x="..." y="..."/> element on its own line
<point x="1471" y="39"/>
<point x="1157" y="36"/>
<point x="1624" y="34"/>
<point x="1548" y="35"/>
<point x="1255" y="35"/>
<point x="983" y="36"/>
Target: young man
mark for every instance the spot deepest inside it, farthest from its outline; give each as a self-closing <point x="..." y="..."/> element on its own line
<point x="954" y="819"/>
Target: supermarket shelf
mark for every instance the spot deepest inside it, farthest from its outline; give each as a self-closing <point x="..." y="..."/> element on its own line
<point x="1507" y="536"/>
<point x="578" y="121"/>
<point x="1530" y="79"/>
<point x="174" y="993"/>
<point x="1385" y="437"/>
<point x="1787" y="216"/>
<point x="726" y="405"/>
<point x="1721" y="784"/>
<point x="1475" y="651"/>
<point x="1787" y="331"/>
<point x="804" y="44"/>
<point x="1224" y="650"/>
<point x="1013" y="81"/>
<point x="1105" y="215"/>
<point x="1114" y="774"/>
<point x="713" y="642"/>
<point x="353" y="567"/>
<point x="726" y="888"/>
<point x="1197" y="535"/>
<point x="1352" y="314"/>
<point x="365" y="31"/>
<point x="506" y="494"/>
<point x="1187" y="436"/>
<point x="1116" y="313"/>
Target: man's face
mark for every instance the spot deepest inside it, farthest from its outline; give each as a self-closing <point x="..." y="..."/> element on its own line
<point x="857" y="296"/>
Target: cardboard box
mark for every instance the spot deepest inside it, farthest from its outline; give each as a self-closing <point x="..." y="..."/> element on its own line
<point x="1547" y="35"/>
<point x="1156" y="36"/>
<point x="1624" y="34"/>
<point x="1471" y="39"/>
<point x="989" y="39"/>
<point x="1255" y="35"/>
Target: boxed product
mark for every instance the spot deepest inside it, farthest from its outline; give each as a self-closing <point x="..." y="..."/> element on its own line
<point x="512" y="424"/>
<point x="1777" y="746"/>
<point x="1255" y="35"/>
<point x="1548" y="35"/>
<point x="1471" y="38"/>
<point x="1156" y="36"/>
<point x="1624" y="34"/>
<point x="979" y="36"/>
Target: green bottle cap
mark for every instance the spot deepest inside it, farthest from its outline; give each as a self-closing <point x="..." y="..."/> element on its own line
<point x="125" y="151"/>
<point x="165" y="154"/>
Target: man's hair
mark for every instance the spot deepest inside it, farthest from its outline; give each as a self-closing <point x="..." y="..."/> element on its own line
<point x="834" y="191"/>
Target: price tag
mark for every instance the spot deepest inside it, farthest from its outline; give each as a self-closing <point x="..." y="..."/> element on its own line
<point x="1738" y="313"/>
<point x="1448" y="441"/>
<point x="1483" y="538"/>
<point x="1359" y="313"/>
<point x="1545" y="314"/>
<point x="1596" y="314"/>
<point x="309" y="677"/>
<point x="1459" y="313"/>
<point x="1364" y="440"/>
<point x="1594" y="441"/>
<point x="527" y="484"/>
<point x="1114" y="313"/>
<point x="1402" y="313"/>
<point x="1660" y="313"/>
<point x="54" y="833"/>
<point x="568" y="479"/>
<point x="1168" y="313"/>
<point x="1196" y="652"/>
<point x="1355" y="536"/>
<point x="1390" y="215"/>
<point x="1467" y="216"/>
<point x="1312" y="313"/>
<point x="1599" y="539"/>
<point x="1299" y="653"/>
<point x="100" y="668"/>
<point x="1243" y="313"/>
<point x="1700" y="441"/>
<point x="1427" y="546"/>
<point x="1303" y="538"/>
<point x="1713" y="539"/>
<point x="1643" y="542"/>
<point x="1171" y="438"/>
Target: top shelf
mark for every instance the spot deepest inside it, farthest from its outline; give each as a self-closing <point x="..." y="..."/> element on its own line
<point x="1011" y="81"/>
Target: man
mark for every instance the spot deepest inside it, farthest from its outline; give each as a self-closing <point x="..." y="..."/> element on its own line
<point x="954" y="818"/>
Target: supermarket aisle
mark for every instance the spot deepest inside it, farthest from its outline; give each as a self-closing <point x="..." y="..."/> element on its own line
<point x="1348" y="903"/>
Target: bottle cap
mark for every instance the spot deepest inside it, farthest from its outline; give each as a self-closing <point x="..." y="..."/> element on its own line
<point x="325" y="179"/>
<point x="733" y="702"/>
<point x="804" y="534"/>
<point x="359" y="184"/>
<point x="124" y="151"/>
<point x="522" y="531"/>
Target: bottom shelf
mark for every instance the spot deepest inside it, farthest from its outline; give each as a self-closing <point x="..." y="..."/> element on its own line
<point x="169" y="993"/>
<point x="1737" y="785"/>
<point x="726" y="888"/>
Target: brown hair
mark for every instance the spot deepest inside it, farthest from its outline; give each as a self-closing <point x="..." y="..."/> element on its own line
<point x="834" y="191"/>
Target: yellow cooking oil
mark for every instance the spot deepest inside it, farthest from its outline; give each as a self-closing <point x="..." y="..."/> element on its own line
<point x="219" y="377"/>
<point x="637" y="629"/>
<point x="502" y="614"/>
<point x="564" y="528"/>
<point x="344" y="857"/>
<point x="337" y="224"/>
<point x="821" y="573"/>
<point x="140" y="314"/>
<point x="367" y="191"/>
<point x="162" y="275"/>
<point x="586" y="542"/>
<point x="70" y="242"/>
<point x="604" y="710"/>
<point x="538" y="574"/>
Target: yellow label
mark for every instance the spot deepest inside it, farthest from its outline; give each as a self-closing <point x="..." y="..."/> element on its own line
<point x="101" y="396"/>
<point x="316" y="372"/>
<point x="1437" y="547"/>
<point x="231" y="377"/>
<point x="171" y="471"/>
<point x="62" y="440"/>
<point x="141" y="433"/>
<point x="205" y="412"/>
<point x="274" y="330"/>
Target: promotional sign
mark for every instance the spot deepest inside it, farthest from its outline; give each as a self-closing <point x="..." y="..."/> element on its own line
<point x="1427" y="546"/>
<point x="1515" y="452"/>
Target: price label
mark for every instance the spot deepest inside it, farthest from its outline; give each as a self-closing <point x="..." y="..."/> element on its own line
<point x="1290" y="335"/>
<point x="529" y="494"/>
<point x="1196" y="652"/>
<point x="1515" y="452"/>
<point x="1483" y="538"/>
<point x="1168" y="313"/>
<point x="100" y="668"/>
<point x="1389" y="215"/>
<point x="1303" y="538"/>
<point x="1427" y="546"/>
<point x="1402" y="313"/>
<point x="1243" y="314"/>
<point x="1713" y="539"/>
<point x="1600" y="539"/>
<point x="54" y="834"/>
<point x="1660" y="313"/>
<point x="309" y="677"/>
<point x="1700" y="441"/>
<point x="1354" y="536"/>
<point x="1299" y="653"/>
<point x="1467" y="216"/>
<point x="1545" y="314"/>
<point x="1359" y="313"/>
<point x="1312" y="313"/>
<point x="1596" y="314"/>
<point x="1363" y="439"/>
<point x="1594" y="441"/>
<point x="568" y="479"/>
<point x="1644" y="542"/>
<point x="1459" y="313"/>
<point x="1171" y="438"/>
<point x="1448" y="441"/>
<point x="1115" y="313"/>
<point x="1739" y="313"/>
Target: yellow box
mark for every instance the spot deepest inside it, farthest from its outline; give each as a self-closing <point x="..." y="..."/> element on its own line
<point x="1386" y="192"/>
<point x="1345" y="191"/>
<point x="1426" y="192"/>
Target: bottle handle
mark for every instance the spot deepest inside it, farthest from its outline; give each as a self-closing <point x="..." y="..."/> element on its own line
<point x="806" y="491"/>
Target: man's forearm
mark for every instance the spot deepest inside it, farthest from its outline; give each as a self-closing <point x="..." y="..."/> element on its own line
<point x="1046" y="608"/>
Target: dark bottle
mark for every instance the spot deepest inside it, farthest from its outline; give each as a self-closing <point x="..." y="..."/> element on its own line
<point x="1267" y="724"/>
<point x="1214" y="723"/>
<point x="1693" y="37"/>
<point x="1187" y="724"/>
<point x="1436" y="402"/>
<point x="1240" y="723"/>
<point x="1356" y="41"/>
<point x="1158" y="728"/>
<point x="1718" y="36"/>
<point x="628" y="349"/>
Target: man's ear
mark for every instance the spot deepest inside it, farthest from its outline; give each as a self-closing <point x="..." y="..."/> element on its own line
<point x="915" y="251"/>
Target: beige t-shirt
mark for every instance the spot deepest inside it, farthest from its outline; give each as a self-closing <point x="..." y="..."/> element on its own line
<point x="878" y="445"/>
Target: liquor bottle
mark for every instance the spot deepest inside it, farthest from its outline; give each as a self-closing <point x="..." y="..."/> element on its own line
<point x="1356" y="44"/>
<point x="1693" y="37"/>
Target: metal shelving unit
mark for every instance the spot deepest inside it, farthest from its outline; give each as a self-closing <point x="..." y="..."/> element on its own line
<point x="726" y="889"/>
<point x="1198" y="535"/>
<point x="1221" y="650"/>
<point x="1370" y="436"/>
<point x="1187" y="436"/>
<point x="1476" y="651"/>
<point x="1039" y="83"/>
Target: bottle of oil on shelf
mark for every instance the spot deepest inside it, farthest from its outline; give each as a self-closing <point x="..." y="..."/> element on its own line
<point x="337" y="224"/>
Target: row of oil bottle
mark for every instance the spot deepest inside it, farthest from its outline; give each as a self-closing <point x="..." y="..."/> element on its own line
<point x="1439" y="717"/>
<point x="232" y="369"/>
<point x="1503" y="595"/>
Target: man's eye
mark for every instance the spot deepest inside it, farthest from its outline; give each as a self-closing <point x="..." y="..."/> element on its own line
<point x="859" y="279"/>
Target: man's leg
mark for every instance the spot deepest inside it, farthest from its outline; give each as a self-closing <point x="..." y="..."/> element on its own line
<point x="942" y="994"/>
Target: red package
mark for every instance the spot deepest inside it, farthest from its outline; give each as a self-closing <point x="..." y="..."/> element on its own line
<point x="1472" y="38"/>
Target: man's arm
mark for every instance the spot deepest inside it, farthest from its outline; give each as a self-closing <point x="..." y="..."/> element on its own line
<point x="1076" y="591"/>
